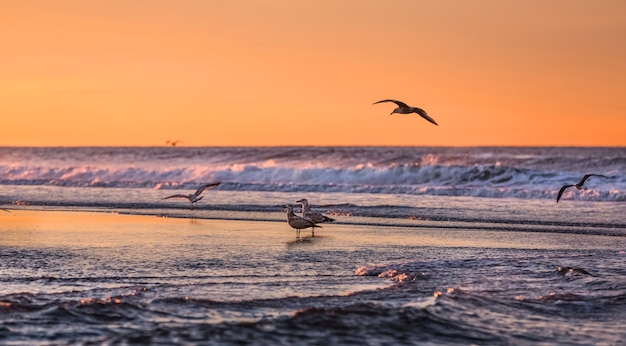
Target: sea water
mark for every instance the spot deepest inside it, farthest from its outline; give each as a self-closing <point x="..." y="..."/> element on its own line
<point x="430" y="246"/>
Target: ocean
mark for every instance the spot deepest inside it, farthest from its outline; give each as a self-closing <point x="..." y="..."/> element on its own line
<point x="431" y="245"/>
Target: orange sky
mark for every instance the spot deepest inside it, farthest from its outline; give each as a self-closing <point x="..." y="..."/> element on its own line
<point x="274" y="72"/>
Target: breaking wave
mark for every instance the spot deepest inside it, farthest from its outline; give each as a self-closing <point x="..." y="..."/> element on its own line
<point x="526" y="173"/>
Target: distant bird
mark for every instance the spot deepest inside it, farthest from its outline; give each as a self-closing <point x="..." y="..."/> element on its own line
<point x="298" y="222"/>
<point x="309" y="214"/>
<point x="195" y="197"/>
<point x="403" y="108"/>
<point x="579" y="185"/>
<point x="173" y="143"/>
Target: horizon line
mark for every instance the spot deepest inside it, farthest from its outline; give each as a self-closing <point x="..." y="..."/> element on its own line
<point x="316" y="146"/>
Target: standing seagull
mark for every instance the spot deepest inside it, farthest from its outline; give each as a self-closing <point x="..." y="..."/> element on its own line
<point x="297" y="222"/>
<point x="194" y="197"/>
<point x="309" y="214"/>
<point x="579" y="185"/>
<point x="403" y="108"/>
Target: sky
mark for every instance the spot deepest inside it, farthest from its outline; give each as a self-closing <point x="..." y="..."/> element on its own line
<point x="274" y="72"/>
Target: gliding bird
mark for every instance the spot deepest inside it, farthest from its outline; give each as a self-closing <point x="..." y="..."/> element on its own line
<point x="195" y="197"/>
<point x="173" y="143"/>
<point x="403" y="108"/>
<point x="579" y="185"/>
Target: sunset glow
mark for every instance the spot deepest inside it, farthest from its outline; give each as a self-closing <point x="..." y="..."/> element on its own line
<point x="243" y="73"/>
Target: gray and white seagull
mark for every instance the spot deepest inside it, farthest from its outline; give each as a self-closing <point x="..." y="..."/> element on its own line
<point x="579" y="185"/>
<point x="403" y="108"/>
<point x="309" y="214"/>
<point x="195" y="197"/>
<point x="297" y="222"/>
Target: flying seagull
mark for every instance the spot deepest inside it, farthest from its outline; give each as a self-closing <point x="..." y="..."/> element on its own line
<point x="309" y="214"/>
<point x="403" y="108"/>
<point x="298" y="222"/>
<point x="173" y="143"/>
<point x="579" y="185"/>
<point x="194" y="197"/>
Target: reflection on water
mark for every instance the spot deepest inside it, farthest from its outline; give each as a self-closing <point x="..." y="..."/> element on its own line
<point x="117" y="278"/>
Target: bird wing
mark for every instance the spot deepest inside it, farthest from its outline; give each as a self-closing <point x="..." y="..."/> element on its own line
<point x="318" y="218"/>
<point x="204" y="187"/>
<point x="561" y="192"/>
<point x="400" y="104"/>
<point x="328" y="219"/>
<point x="302" y="223"/>
<point x="297" y="222"/>
<point x="582" y="181"/>
<point x="178" y="196"/>
<point x="424" y="115"/>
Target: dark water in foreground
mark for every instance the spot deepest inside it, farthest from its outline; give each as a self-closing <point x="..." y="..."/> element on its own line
<point x="431" y="246"/>
<point x="105" y="278"/>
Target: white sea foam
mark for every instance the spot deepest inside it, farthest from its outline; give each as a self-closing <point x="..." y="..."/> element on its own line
<point x="525" y="173"/>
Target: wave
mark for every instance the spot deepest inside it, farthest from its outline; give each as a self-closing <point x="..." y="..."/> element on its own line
<point x="494" y="181"/>
<point x="526" y="173"/>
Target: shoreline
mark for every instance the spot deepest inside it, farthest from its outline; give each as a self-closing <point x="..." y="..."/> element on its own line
<point x="57" y="227"/>
<point x="419" y="223"/>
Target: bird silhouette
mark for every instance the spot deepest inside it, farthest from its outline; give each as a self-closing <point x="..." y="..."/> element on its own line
<point x="173" y="143"/>
<point x="403" y="108"/>
<point x="578" y="186"/>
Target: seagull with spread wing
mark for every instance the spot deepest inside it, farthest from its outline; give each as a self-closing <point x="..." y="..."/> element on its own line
<point x="403" y="108"/>
<point x="579" y="185"/>
<point x="195" y="197"/>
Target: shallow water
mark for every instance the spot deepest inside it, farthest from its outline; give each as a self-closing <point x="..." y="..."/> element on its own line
<point x="71" y="277"/>
<point x="430" y="246"/>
